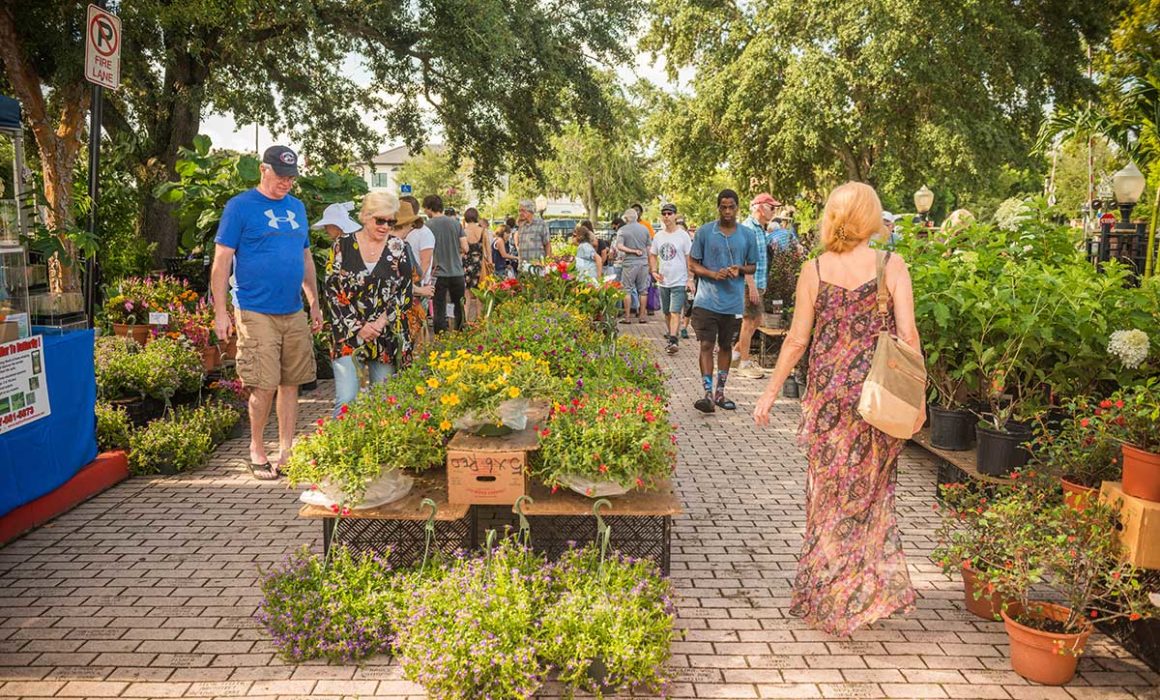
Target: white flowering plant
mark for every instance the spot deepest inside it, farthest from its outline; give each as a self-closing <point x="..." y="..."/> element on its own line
<point x="1130" y="347"/>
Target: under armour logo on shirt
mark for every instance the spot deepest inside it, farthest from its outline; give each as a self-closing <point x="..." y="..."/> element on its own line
<point x="276" y="220"/>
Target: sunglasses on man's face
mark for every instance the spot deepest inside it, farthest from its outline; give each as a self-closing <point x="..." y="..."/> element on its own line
<point x="380" y="221"/>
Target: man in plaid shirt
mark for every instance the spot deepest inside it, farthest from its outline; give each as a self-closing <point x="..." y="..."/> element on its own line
<point x="533" y="238"/>
<point x="760" y="214"/>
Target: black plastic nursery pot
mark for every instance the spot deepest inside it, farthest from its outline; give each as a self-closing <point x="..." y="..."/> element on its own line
<point x="1001" y="451"/>
<point x="951" y="429"/>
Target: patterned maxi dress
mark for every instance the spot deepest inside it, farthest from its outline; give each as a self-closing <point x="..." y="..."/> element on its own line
<point x="852" y="570"/>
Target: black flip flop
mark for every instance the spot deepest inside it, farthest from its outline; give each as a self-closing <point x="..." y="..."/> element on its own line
<point x="263" y="472"/>
<point x="726" y="404"/>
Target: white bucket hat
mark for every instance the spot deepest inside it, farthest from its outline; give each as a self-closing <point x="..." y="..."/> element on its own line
<point x="337" y="215"/>
<point x="887" y="216"/>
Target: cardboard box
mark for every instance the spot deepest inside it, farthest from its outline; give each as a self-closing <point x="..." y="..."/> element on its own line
<point x="1140" y="521"/>
<point x="488" y="470"/>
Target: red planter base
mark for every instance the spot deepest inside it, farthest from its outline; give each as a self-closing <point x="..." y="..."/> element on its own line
<point x="108" y="469"/>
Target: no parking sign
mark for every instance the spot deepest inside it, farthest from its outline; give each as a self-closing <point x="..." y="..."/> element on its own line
<point x="103" y="48"/>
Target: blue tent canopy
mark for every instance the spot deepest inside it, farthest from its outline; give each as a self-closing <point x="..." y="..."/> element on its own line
<point x="9" y="113"/>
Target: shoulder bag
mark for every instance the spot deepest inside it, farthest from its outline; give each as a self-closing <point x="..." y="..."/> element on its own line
<point x="895" y="387"/>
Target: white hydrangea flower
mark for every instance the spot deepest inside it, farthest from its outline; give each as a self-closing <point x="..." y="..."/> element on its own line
<point x="1131" y="347"/>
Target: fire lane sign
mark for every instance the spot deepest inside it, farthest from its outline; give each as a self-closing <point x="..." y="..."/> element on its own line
<point x="103" y="48"/>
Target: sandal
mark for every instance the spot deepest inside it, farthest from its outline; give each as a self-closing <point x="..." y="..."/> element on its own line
<point x="725" y="403"/>
<point x="263" y="472"/>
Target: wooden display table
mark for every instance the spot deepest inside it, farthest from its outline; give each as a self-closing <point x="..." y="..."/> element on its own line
<point x="400" y="526"/>
<point x="956" y="466"/>
<point x="641" y="522"/>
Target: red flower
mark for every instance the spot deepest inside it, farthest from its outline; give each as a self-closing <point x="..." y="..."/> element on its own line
<point x="639" y="483"/>
<point x="555" y="488"/>
<point x="645" y="446"/>
<point x="1119" y="404"/>
<point x="343" y="411"/>
<point x="1134" y="616"/>
<point x="649" y="417"/>
<point x="334" y="508"/>
<point x="1085" y="422"/>
<point x="1094" y="614"/>
<point x="1105" y="404"/>
<point x="320" y="422"/>
<point x="603" y="468"/>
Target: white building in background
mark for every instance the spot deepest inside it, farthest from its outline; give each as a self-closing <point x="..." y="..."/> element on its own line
<point x="381" y="172"/>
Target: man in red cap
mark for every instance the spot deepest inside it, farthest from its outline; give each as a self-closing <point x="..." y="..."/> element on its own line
<point x="760" y="214"/>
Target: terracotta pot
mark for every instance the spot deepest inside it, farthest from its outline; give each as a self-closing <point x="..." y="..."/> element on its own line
<point x="1037" y="656"/>
<point x="139" y="332"/>
<point x="985" y="606"/>
<point x="1141" y="473"/>
<point x="211" y="358"/>
<point x="1078" y="497"/>
<point x="229" y="348"/>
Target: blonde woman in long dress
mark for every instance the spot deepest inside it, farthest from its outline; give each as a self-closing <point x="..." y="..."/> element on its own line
<point x="852" y="570"/>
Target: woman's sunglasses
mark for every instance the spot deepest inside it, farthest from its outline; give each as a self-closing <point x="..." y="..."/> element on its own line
<point x="380" y="221"/>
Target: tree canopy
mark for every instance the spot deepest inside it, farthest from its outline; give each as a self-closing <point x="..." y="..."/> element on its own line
<point x="798" y="95"/>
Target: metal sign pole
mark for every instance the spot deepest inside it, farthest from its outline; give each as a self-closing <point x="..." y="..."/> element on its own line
<point x="94" y="196"/>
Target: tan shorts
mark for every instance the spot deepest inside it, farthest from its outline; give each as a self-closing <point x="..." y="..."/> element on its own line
<point x="274" y="349"/>
<point x="753" y="312"/>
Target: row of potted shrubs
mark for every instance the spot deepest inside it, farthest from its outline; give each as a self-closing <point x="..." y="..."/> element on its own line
<point x="181" y="440"/>
<point x="498" y="624"/>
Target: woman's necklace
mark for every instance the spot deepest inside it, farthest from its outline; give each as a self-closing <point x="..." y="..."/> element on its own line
<point x="370" y="249"/>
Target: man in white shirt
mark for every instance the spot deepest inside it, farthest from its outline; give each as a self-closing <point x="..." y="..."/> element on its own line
<point x="422" y="243"/>
<point x="668" y="262"/>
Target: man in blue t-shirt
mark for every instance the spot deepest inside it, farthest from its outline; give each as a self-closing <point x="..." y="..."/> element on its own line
<point x="723" y="258"/>
<point x="263" y="238"/>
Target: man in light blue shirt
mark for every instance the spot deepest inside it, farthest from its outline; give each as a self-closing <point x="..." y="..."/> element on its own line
<point x="782" y="236"/>
<point x="760" y="214"/>
<point x="724" y="258"/>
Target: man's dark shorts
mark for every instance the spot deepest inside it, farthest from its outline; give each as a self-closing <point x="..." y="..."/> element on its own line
<point x="712" y="327"/>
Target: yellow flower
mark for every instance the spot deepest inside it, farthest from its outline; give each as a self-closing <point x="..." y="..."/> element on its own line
<point x="420" y="390"/>
<point x="433" y="382"/>
<point x="450" y="400"/>
<point x="514" y="392"/>
<point x="445" y="425"/>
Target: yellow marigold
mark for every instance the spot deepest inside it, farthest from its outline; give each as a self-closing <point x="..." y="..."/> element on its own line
<point x="514" y="392"/>
<point x="445" y="425"/>
<point x="433" y="382"/>
<point x="450" y="400"/>
<point x="420" y="390"/>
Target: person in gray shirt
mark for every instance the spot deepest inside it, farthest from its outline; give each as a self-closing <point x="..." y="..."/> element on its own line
<point x="633" y="240"/>
<point x="532" y="238"/>
<point x="450" y="245"/>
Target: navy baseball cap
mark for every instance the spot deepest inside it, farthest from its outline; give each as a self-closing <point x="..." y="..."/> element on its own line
<point x="283" y="160"/>
<point x="669" y="207"/>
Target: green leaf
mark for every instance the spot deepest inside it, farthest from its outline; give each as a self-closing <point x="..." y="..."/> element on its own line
<point x="202" y="144"/>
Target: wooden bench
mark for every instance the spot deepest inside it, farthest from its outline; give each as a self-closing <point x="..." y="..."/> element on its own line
<point x="766" y="334"/>
<point x="956" y="466"/>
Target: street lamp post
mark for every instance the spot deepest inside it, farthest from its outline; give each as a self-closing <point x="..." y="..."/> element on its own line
<point x="1124" y="240"/>
<point x="923" y="200"/>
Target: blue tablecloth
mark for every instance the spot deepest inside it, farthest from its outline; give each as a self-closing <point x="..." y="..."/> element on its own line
<point x="38" y="457"/>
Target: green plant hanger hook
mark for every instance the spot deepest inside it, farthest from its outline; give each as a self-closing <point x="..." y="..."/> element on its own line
<point x="429" y="527"/>
<point x="525" y="531"/>
<point x="603" y="531"/>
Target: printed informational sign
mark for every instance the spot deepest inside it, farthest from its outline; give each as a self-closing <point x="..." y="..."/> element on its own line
<point x="158" y="318"/>
<point x="23" y="383"/>
<point x="103" y="48"/>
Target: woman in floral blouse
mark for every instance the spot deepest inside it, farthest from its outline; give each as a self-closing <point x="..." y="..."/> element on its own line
<point x="368" y="293"/>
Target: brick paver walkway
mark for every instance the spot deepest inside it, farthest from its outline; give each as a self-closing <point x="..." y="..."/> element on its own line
<point x="148" y="590"/>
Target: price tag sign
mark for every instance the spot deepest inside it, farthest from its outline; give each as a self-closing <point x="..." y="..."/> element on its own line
<point x="158" y="318"/>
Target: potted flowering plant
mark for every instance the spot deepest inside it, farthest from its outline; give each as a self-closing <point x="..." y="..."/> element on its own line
<point x="1078" y="554"/>
<point x="359" y="459"/>
<point x="128" y="307"/>
<point x="974" y="536"/>
<point x="1135" y="420"/>
<point x="485" y="392"/>
<point x="493" y="291"/>
<point x="1082" y="454"/>
<point x="338" y="608"/>
<point x="475" y="630"/>
<point x="607" y="443"/>
<point x="611" y="625"/>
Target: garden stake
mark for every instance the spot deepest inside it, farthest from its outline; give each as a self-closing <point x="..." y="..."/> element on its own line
<point x="487" y="545"/>
<point x="429" y="528"/>
<point x="603" y="531"/>
<point x="525" y="531"/>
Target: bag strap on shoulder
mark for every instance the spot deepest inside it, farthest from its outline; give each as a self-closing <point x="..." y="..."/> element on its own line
<point x="883" y="293"/>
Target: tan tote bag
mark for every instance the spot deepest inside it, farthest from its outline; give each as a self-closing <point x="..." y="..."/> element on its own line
<point x="895" y="387"/>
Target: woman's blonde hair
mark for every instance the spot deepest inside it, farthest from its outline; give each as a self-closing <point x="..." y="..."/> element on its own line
<point x="378" y="204"/>
<point x="853" y="214"/>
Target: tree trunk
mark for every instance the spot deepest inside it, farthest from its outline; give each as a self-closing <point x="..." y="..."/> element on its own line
<point x="59" y="146"/>
<point x="591" y="204"/>
<point x="174" y="124"/>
